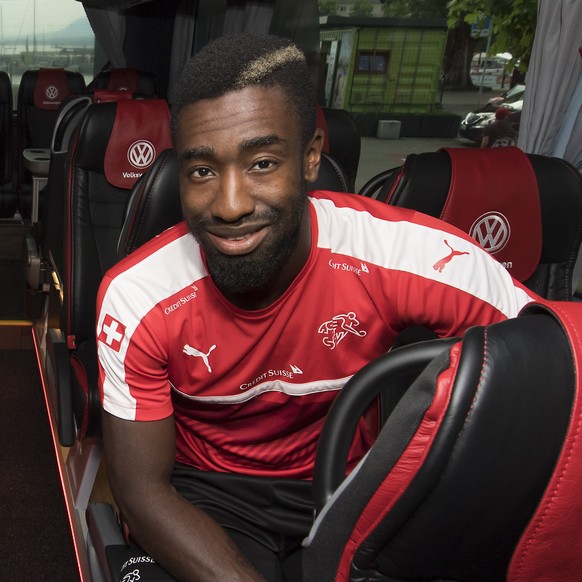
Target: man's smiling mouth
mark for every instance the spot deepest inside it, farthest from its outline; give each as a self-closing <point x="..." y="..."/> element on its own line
<point x="238" y="243"/>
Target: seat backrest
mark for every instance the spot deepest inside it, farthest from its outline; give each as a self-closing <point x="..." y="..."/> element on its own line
<point x="40" y="93"/>
<point x="133" y="80"/>
<point x="525" y="209"/>
<point x="476" y="473"/>
<point x="6" y="149"/>
<point x="70" y="114"/>
<point x="153" y="205"/>
<point x="8" y="202"/>
<point x="115" y="144"/>
<point x="342" y="141"/>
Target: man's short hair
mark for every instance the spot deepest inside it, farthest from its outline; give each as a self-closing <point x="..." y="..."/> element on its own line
<point x="231" y="63"/>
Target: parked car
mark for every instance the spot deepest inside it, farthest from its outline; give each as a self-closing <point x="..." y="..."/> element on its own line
<point x="474" y="124"/>
<point x="514" y="94"/>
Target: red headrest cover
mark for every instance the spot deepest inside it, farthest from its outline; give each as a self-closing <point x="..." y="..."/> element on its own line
<point x="494" y="196"/>
<point x="123" y="80"/>
<point x="551" y="546"/>
<point x="51" y="88"/>
<point x="141" y="130"/>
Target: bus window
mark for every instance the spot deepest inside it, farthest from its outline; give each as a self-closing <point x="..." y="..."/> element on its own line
<point x="45" y="33"/>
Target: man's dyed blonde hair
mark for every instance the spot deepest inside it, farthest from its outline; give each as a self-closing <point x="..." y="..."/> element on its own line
<point x="232" y="63"/>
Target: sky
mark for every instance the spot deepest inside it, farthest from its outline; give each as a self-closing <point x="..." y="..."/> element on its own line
<point x="16" y="16"/>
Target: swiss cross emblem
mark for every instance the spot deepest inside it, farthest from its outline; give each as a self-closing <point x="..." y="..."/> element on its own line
<point x="112" y="333"/>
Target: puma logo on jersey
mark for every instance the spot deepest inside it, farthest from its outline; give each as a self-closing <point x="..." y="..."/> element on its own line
<point x="442" y="263"/>
<point x="198" y="354"/>
<point x="295" y="369"/>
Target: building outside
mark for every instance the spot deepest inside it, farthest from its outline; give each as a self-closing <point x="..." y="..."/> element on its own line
<point x="385" y="68"/>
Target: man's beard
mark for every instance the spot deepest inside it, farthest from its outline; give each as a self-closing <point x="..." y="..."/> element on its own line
<point x="240" y="274"/>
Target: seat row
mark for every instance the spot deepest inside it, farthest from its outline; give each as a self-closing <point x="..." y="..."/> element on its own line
<point x="29" y="124"/>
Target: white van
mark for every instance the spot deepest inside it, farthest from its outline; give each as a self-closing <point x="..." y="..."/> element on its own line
<point x="490" y="71"/>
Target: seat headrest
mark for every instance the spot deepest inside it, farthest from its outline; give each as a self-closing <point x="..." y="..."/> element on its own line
<point x="494" y="196"/>
<point x="51" y="88"/>
<point x="123" y="80"/>
<point x="140" y="131"/>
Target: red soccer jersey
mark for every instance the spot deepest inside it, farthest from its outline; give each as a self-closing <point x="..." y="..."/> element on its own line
<point x="249" y="390"/>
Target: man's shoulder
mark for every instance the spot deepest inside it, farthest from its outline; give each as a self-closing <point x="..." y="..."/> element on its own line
<point x="340" y="200"/>
<point x="161" y="247"/>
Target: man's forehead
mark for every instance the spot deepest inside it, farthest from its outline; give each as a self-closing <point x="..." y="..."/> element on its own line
<point x="252" y="112"/>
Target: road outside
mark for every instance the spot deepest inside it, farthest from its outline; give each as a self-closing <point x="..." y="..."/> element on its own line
<point x="381" y="154"/>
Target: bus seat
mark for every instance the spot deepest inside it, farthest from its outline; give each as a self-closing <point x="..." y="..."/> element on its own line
<point x="525" y="209"/>
<point x="116" y="142"/>
<point x="342" y="141"/>
<point x="133" y="80"/>
<point x="153" y="205"/>
<point x="40" y="93"/>
<point x="51" y="238"/>
<point x="475" y="475"/>
<point x="332" y="176"/>
<point x="8" y="202"/>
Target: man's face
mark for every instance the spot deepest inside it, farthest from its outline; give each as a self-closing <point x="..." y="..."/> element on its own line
<point x="242" y="181"/>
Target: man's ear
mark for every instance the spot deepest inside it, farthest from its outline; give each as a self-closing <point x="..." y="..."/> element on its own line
<point x="312" y="156"/>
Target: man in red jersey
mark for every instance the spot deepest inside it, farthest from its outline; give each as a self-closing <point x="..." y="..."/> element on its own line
<point x="223" y="342"/>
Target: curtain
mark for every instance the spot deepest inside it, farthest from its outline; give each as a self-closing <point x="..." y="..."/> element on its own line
<point x="551" y="119"/>
<point x="182" y="42"/>
<point x="108" y="24"/>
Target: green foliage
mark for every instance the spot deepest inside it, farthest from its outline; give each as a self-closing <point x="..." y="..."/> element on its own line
<point x="327" y="7"/>
<point x="514" y="23"/>
<point x="362" y="8"/>
<point x="415" y="8"/>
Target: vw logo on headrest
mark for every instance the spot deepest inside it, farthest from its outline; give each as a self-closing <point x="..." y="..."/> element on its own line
<point x="141" y="154"/>
<point x="492" y="231"/>
<point x="51" y="92"/>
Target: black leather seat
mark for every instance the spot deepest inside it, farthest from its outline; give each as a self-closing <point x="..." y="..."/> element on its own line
<point x="52" y="236"/>
<point x="115" y="143"/>
<point x="342" y="141"/>
<point x="476" y="474"/>
<point x="40" y="94"/>
<point x="527" y="204"/>
<point x="8" y="201"/>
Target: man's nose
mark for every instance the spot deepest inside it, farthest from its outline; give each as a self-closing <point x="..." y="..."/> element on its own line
<point x="234" y="198"/>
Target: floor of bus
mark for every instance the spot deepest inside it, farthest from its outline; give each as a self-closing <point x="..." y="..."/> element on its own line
<point x="34" y="529"/>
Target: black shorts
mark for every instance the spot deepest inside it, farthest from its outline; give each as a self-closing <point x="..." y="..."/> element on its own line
<point x="266" y="518"/>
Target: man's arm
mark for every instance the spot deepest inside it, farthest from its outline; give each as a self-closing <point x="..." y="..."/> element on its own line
<point x="182" y="538"/>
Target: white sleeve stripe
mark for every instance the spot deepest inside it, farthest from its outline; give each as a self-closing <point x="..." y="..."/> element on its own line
<point x="418" y="249"/>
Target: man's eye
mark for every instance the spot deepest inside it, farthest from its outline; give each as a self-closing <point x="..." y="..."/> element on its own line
<point x="201" y="172"/>
<point x="263" y="164"/>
